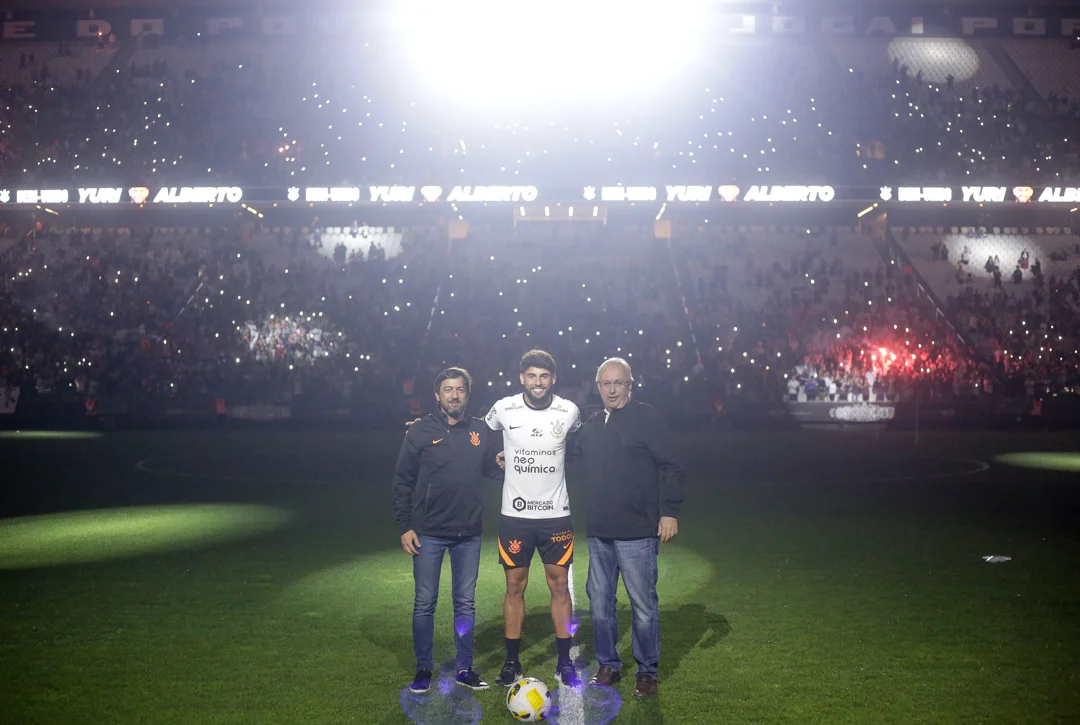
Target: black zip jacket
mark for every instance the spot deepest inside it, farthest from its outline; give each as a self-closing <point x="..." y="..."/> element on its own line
<point x="437" y="481"/>
<point x="631" y="479"/>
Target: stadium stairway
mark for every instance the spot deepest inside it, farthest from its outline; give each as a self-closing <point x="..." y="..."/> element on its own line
<point x="125" y="49"/>
<point x="686" y="306"/>
<point x="830" y="64"/>
<point x="1032" y="99"/>
<point x="6" y="245"/>
<point x="1050" y="65"/>
<point x="897" y="251"/>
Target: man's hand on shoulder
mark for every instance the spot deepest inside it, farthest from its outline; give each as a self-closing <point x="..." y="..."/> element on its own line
<point x="414" y="421"/>
<point x="667" y="529"/>
<point x="500" y="459"/>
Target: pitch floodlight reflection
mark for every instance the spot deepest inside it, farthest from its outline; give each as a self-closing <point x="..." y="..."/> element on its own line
<point x="81" y="537"/>
<point x="589" y="705"/>
<point x="443" y="704"/>
<point x="1049" y="461"/>
<point x="573" y="626"/>
<point x="462" y="625"/>
<point x="446" y="685"/>
<point x="49" y="435"/>
<point x="370" y="589"/>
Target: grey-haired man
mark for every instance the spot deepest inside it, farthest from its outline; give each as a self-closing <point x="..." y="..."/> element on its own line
<point x="634" y="491"/>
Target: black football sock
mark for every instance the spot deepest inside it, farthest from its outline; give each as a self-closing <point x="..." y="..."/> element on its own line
<point x="563" y="645"/>
<point x="513" y="646"/>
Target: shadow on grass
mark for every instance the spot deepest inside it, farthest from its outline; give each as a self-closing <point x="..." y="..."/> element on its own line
<point x="489" y="645"/>
<point x="686" y="628"/>
<point x="683" y="629"/>
<point x="490" y="642"/>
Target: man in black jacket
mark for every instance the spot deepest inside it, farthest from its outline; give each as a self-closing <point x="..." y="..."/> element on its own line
<point x="438" y="505"/>
<point x="634" y="490"/>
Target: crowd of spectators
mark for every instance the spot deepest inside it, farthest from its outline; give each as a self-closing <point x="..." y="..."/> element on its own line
<point x="176" y="316"/>
<point x="1030" y="328"/>
<point x="211" y="312"/>
<point x="245" y="312"/>
<point x="930" y="131"/>
<point x="181" y="315"/>
<point x="822" y="322"/>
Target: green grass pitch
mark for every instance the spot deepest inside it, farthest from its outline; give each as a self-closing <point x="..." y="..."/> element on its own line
<point x="256" y="577"/>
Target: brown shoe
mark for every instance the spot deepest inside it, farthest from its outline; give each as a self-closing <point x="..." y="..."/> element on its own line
<point x="605" y="676"/>
<point x="646" y="686"/>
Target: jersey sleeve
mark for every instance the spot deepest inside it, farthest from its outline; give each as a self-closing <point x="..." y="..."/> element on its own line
<point x="574" y="419"/>
<point x="492" y="418"/>
<point x="573" y="438"/>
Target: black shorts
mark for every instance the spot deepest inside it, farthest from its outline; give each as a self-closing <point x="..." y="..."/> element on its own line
<point x="518" y="538"/>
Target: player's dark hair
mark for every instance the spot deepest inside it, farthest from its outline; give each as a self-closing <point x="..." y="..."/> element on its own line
<point x="537" y="359"/>
<point x="451" y="374"/>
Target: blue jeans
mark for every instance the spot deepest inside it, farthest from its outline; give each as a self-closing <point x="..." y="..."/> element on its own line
<point x="636" y="561"/>
<point x="464" y="569"/>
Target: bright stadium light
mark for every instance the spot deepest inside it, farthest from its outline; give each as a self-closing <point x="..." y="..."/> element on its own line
<point x="499" y="55"/>
<point x="937" y="58"/>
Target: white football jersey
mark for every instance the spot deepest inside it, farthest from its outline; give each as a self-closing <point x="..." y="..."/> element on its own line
<point x="534" y="443"/>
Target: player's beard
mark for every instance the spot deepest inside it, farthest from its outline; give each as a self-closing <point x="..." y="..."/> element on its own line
<point x="538" y="402"/>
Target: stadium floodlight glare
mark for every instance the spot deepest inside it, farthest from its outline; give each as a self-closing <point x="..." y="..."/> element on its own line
<point x="506" y="55"/>
<point x="937" y="58"/>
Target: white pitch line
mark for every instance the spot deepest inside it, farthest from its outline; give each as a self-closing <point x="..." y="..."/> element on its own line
<point x="571" y="703"/>
<point x="574" y="648"/>
<point x="977" y="467"/>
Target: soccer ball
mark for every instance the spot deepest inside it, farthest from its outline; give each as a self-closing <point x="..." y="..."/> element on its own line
<point x="528" y="700"/>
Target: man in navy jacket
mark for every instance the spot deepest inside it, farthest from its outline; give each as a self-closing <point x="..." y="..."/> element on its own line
<point x="634" y="490"/>
<point x="438" y="506"/>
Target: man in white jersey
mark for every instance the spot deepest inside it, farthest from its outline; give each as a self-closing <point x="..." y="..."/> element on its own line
<point x="535" y="506"/>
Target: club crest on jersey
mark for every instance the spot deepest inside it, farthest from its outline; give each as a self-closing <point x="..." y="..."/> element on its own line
<point x="474" y="438"/>
<point x="557" y="429"/>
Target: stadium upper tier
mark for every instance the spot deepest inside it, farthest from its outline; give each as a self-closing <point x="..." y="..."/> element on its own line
<point x="859" y="111"/>
<point x="935" y="60"/>
<point x="1052" y="67"/>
